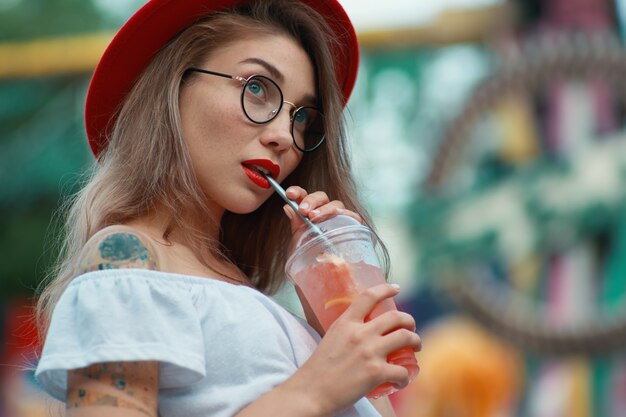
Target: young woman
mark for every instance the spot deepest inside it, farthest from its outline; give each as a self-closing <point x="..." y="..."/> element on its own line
<point x="159" y="304"/>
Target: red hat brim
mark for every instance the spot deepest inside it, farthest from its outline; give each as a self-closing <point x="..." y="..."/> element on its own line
<point x="154" y="25"/>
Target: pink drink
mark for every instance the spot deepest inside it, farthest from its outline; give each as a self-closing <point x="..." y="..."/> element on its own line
<point x="330" y="285"/>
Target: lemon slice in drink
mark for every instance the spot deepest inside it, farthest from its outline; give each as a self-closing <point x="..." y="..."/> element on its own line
<point x="338" y="301"/>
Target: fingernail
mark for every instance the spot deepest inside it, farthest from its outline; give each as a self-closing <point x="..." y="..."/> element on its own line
<point x="287" y="212"/>
<point x="304" y="206"/>
<point x="315" y="212"/>
<point x="339" y="210"/>
<point x="396" y="286"/>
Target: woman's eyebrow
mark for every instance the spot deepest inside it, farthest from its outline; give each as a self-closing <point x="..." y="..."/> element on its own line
<point x="276" y="74"/>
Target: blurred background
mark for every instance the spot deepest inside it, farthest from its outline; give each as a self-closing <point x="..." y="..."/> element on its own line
<point x="488" y="139"/>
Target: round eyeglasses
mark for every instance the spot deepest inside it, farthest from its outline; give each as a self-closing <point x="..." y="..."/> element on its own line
<point x="262" y="100"/>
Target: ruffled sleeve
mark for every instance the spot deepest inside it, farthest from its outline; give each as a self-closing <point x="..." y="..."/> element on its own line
<point x="123" y="315"/>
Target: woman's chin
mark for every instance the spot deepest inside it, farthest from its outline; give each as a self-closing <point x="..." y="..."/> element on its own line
<point x="245" y="207"/>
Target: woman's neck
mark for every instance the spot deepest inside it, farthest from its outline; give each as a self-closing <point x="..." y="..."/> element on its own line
<point x="164" y="224"/>
<point x="162" y="228"/>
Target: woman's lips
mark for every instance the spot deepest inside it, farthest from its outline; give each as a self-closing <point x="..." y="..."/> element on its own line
<point x="254" y="167"/>
<point x="256" y="177"/>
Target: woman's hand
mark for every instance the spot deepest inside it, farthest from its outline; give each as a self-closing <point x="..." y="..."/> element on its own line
<point x="315" y="206"/>
<point x="351" y="359"/>
<point x="349" y="362"/>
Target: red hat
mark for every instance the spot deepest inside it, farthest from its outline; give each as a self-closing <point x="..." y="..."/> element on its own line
<point x="154" y="25"/>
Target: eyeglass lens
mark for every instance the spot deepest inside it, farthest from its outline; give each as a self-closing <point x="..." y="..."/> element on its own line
<point x="261" y="99"/>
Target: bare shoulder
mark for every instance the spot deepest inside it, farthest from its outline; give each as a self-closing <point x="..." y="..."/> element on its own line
<point x="117" y="247"/>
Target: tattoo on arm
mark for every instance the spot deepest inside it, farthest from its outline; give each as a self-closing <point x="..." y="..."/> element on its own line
<point x="92" y="398"/>
<point x="118" y="250"/>
<point x="129" y="385"/>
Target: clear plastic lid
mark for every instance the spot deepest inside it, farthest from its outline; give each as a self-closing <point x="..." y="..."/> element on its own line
<point x="304" y="237"/>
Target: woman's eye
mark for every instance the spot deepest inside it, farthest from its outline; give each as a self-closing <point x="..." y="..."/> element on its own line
<point x="256" y="88"/>
<point x="301" y="117"/>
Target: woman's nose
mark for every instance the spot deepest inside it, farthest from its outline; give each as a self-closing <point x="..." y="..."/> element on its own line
<point x="277" y="132"/>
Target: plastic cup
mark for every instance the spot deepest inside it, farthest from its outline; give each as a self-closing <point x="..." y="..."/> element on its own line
<point x="332" y="268"/>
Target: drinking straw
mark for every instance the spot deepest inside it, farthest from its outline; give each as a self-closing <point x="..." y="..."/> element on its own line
<point x="281" y="192"/>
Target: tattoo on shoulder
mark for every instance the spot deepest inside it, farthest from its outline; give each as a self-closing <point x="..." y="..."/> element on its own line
<point x="119" y="250"/>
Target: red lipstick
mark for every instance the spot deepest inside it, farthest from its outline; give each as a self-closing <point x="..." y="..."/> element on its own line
<point x="254" y="167"/>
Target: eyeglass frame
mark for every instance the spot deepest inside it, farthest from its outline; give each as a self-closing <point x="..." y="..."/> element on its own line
<point x="276" y="112"/>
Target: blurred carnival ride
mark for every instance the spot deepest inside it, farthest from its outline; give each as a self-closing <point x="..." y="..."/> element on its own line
<point x="522" y="221"/>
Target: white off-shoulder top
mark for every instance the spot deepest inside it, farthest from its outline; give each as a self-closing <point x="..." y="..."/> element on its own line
<point x="220" y="346"/>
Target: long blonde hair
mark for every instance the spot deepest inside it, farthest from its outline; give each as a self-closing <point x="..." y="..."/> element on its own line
<point x="145" y="163"/>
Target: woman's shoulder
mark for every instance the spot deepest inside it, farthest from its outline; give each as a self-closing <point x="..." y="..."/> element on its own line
<point x="116" y="247"/>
